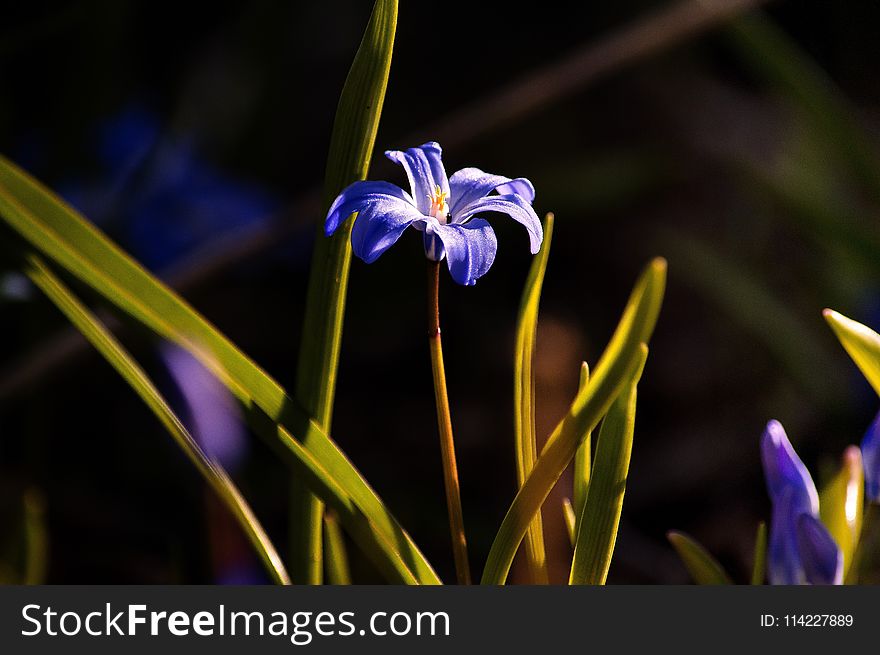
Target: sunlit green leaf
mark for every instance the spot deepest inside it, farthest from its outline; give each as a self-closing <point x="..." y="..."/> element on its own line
<point x="351" y="147"/>
<point x="53" y="228"/>
<point x="841" y="504"/>
<point x="582" y="463"/>
<point x="600" y="516"/>
<point x="335" y="557"/>
<point x="861" y="342"/>
<point x="105" y="343"/>
<point x="525" y="440"/>
<point x="621" y="357"/>
<point x="704" y="568"/>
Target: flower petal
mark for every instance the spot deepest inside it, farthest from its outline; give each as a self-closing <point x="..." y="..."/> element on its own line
<point x="470" y="184"/>
<point x="783" y="469"/>
<point x="470" y="248"/>
<point x="784" y="566"/>
<point x="821" y="558"/>
<point x="514" y="206"/>
<point x="425" y="171"/>
<point x="356" y="196"/>
<point x="871" y="460"/>
<point x="379" y="225"/>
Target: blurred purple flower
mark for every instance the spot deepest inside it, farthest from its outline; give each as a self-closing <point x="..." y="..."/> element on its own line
<point x="214" y="418"/>
<point x="871" y="460"/>
<point x="442" y="209"/>
<point x="801" y="550"/>
<point x="163" y="194"/>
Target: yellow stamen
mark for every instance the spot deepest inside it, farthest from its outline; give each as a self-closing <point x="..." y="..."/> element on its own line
<point x="439" y="207"/>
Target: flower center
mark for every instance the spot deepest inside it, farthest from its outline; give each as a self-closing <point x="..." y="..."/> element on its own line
<point x="439" y="208"/>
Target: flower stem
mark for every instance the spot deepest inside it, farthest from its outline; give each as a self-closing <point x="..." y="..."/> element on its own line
<point x="444" y="423"/>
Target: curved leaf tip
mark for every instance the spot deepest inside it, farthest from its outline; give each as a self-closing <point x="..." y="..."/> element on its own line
<point x="702" y="566"/>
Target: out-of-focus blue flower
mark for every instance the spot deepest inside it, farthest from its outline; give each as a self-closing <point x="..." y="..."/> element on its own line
<point x="443" y="209"/>
<point x="871" y="460"/>
<point x="214" y="418"/>
<point x="166" y="199"/>
<point x="801" y="550"/>
<point x="215" y="421"/>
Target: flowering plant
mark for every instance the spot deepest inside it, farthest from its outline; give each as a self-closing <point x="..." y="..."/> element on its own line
<point x="220" y="385"/>
<point x="211" y="397"/>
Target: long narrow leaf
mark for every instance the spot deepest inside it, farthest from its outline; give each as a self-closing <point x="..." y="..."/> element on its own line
<point x="351" y="146"/>
<point x="336" y="560"/>
<point x="134" y="375"/>
<point x="525" y="441"/>
<point x="620" y="358"/>
<point x="600" y="517"/>
<point x="861" y="342"/>
<point x="704" y="568"/>
<point x="582" y="462"/>
<point x="53" y="228"/>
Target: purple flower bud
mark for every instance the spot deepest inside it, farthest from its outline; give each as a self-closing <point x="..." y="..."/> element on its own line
<point x="783" y="470"/>
<point x="801" y="550"/>
<point x="821" y="558"/>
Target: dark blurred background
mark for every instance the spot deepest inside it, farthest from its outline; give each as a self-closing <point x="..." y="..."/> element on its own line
<point x="195" y="135"/>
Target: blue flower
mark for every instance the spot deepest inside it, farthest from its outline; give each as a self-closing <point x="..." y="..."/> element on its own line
<point x="801" y="550"/>
<point x="169" y="201"/>
<point x="443" y="209"/>
<point x="871" y="460"/>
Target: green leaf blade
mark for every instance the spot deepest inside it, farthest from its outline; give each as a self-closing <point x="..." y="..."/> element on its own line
<point x="600" y="517"/>
<point x="525" y="440"/>
<point x="582" y="463"/>
<point x="860" y="342"/>
<point x="704" y="568"/>
<point x="134" y="375"/>
<point x="336" y="559"/>
<point x="351" y="147"/>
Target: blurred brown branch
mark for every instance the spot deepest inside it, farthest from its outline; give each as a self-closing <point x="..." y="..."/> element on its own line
<point x="664" y="29"/>
<point x="648" y="36"/>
